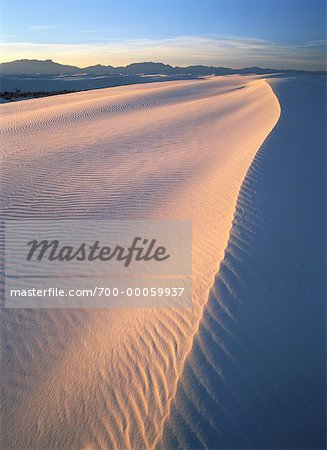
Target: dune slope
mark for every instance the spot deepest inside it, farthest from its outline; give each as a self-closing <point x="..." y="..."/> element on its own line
<point x="179" y="150"/>
<point x="255" y="377"/>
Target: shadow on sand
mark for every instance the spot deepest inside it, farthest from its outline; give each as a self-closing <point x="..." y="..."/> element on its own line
<point x="255" y="377"/>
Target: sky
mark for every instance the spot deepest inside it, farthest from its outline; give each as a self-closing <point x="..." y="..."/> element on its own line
<point x="231" y="33"/>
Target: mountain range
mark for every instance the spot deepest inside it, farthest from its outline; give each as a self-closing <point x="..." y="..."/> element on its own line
<point x="34" y="67"/>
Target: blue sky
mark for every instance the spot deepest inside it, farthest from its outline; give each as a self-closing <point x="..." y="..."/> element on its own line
<point x="235" y="33"/>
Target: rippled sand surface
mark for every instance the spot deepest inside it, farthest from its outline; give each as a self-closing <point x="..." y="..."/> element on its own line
<point x="177" y="150"/>
<point x="256" y="377"/>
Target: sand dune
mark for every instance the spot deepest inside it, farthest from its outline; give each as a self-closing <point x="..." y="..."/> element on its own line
<point x="255" y="377"/>
<point x="179" y="150"/>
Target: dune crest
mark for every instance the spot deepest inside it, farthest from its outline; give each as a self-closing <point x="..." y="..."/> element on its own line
<point x="178" y="150"/>
<point x="255" y="375"/>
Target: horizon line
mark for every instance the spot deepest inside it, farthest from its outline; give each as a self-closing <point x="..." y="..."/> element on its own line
<point x="163" y="63"/>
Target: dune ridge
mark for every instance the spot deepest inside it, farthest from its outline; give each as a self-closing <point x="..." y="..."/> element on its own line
<point x="255" y="376"/>
<point x="179" y="150"/>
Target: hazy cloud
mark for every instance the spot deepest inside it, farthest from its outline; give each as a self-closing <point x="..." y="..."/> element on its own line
<point x="112" y="30"/>
<point x="182" y="50"/>
<point x="41" y="27"/>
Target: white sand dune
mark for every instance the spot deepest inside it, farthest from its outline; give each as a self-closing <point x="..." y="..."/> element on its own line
<point x="178" y="150"/>
<point x="255" y="377"/>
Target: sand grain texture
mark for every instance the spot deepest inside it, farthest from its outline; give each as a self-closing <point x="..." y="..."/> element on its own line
<point x="255" y="377"/>
<point x="178" y="150"/>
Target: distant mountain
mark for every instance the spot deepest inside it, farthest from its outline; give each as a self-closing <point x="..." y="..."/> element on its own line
<point x="205" y="70"/>
<point x="34" y="67"/>
<point x="48" y="67"/>
<point x="99" y="69"/>
<point x="148" y="68"/>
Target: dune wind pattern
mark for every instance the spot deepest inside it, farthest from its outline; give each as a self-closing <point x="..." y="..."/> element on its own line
<point x="255" y="376"/>
<point x="107" y="378"/>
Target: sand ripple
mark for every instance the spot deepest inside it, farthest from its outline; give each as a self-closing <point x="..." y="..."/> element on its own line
<point x="255" y="377"/>
<point x="177" y="150"/>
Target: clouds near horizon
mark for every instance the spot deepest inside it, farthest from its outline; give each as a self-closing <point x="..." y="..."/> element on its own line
<point x="235" y="33"/>
<point x="180" y="50"/>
